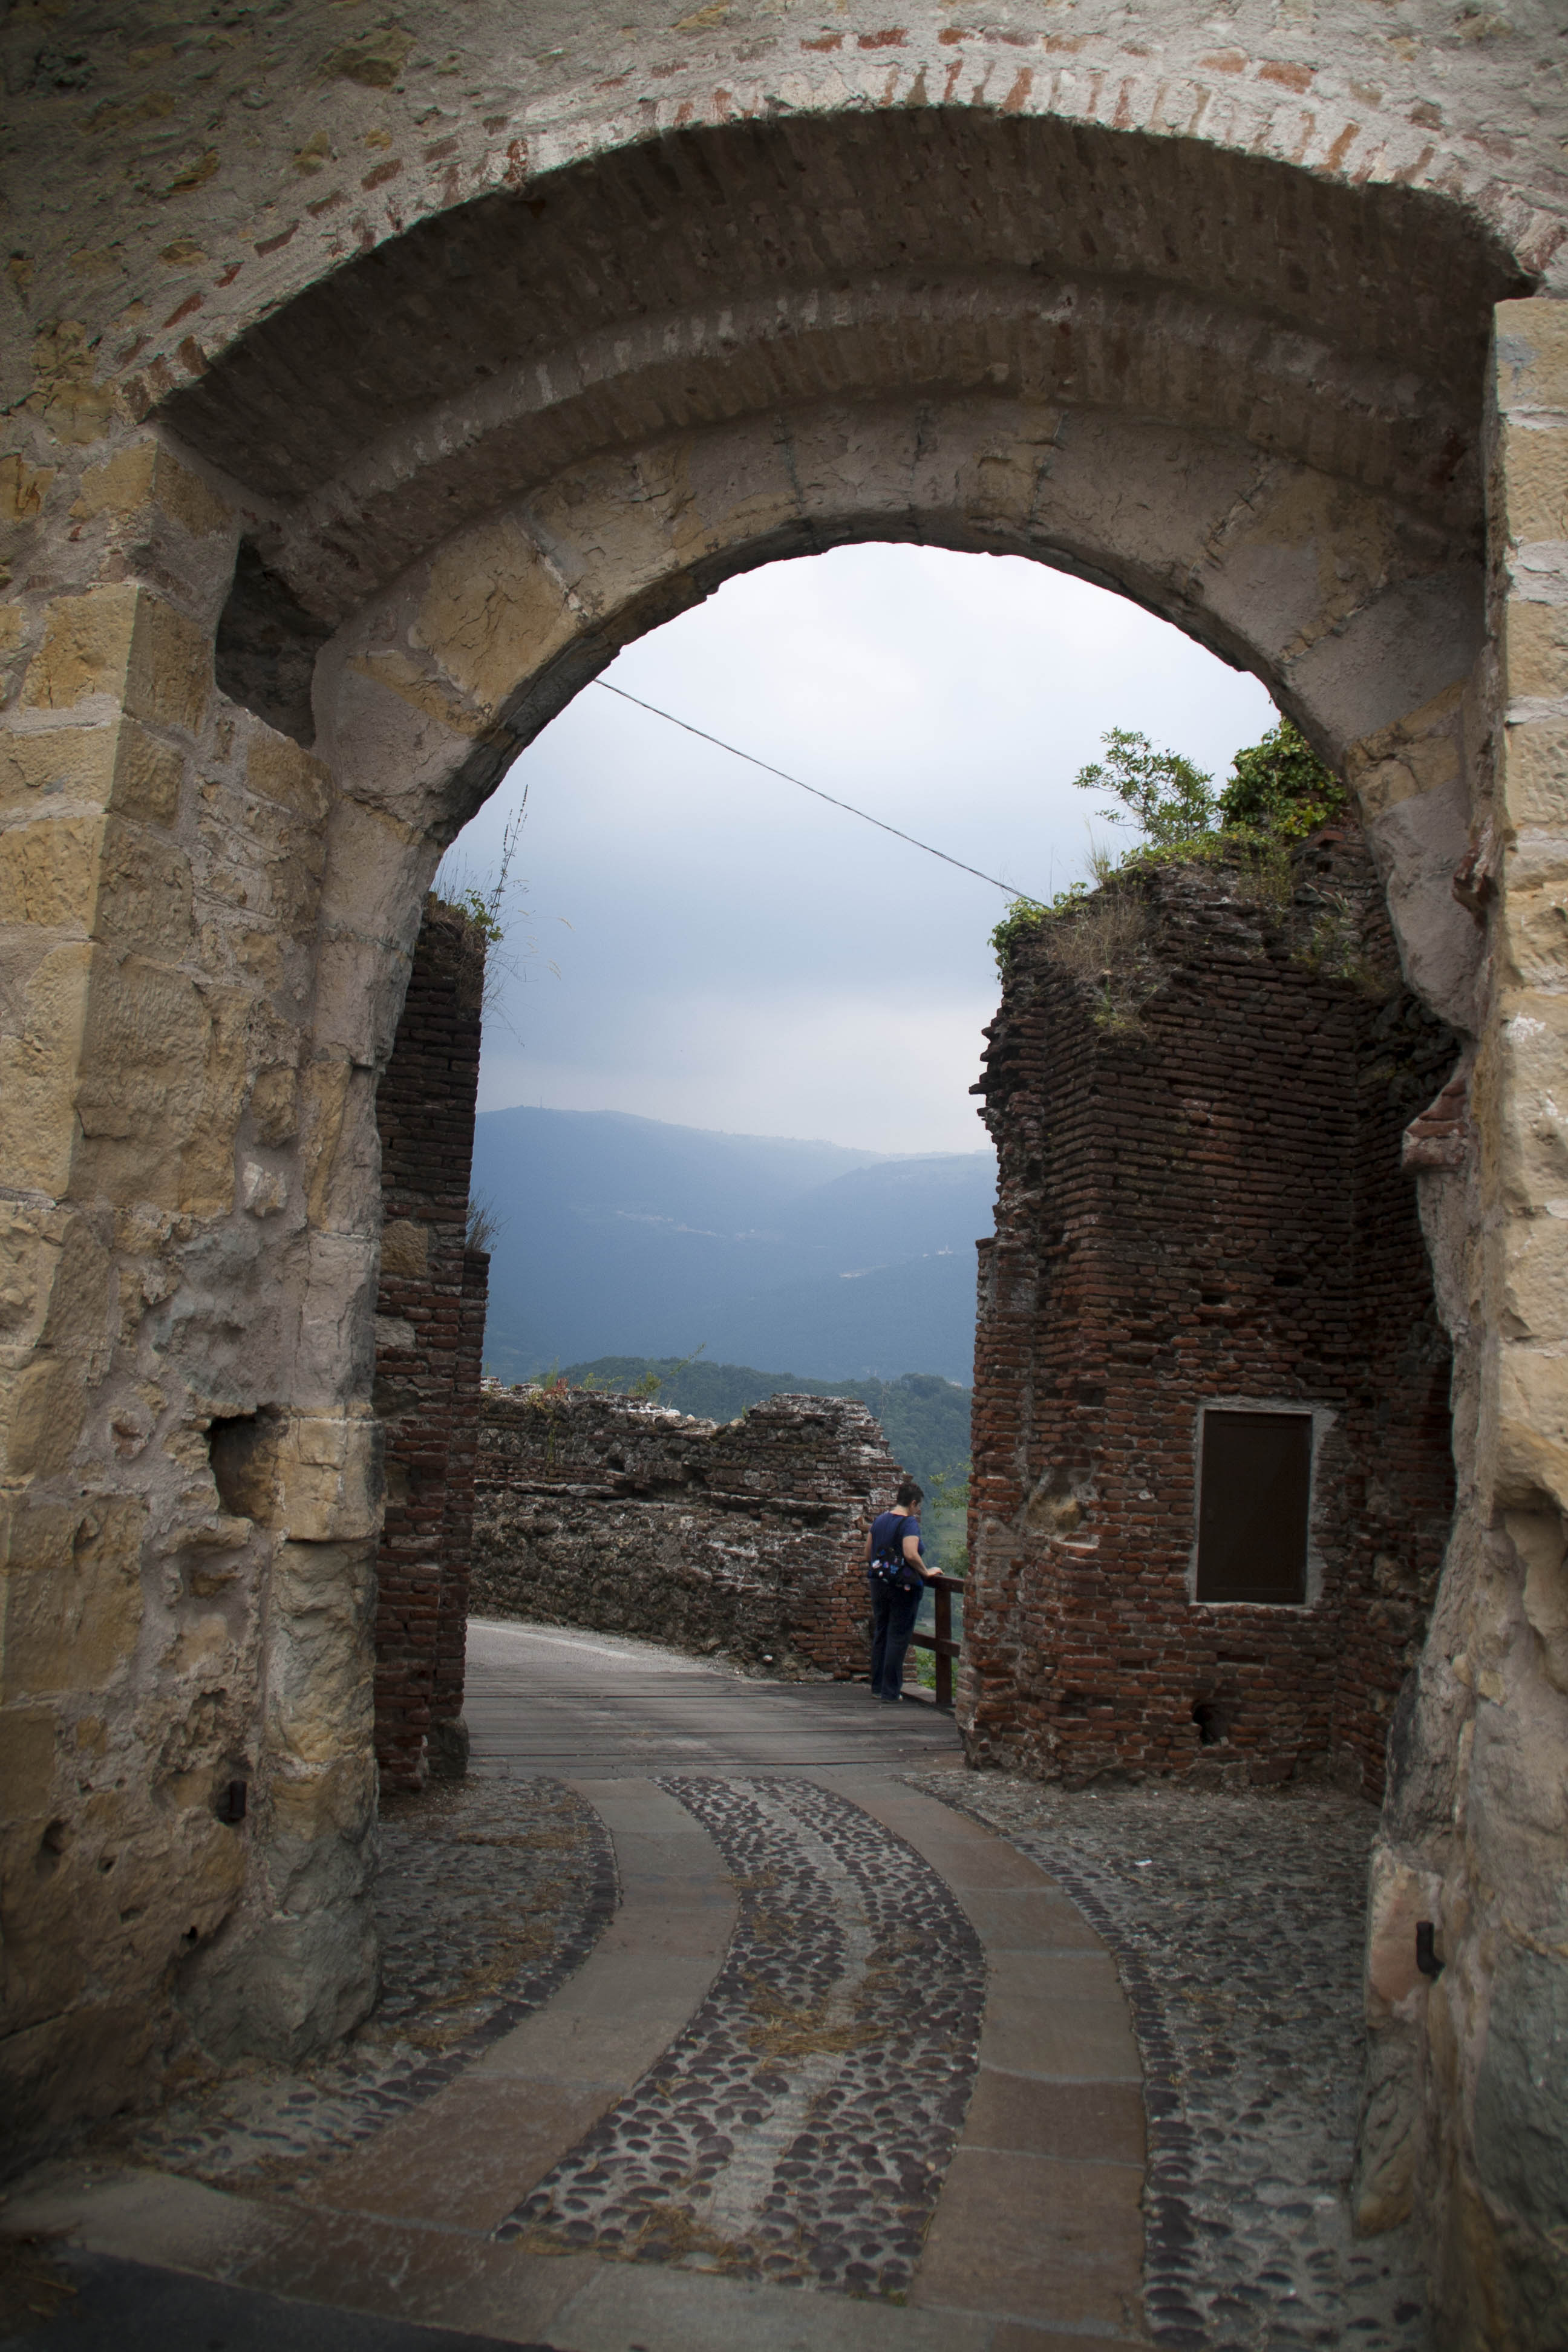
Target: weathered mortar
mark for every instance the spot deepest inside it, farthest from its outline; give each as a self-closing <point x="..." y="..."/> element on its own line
<point x="1201" y="313"/>
<point x="742" y="1538"/>
<point x="1204" y="1203"/>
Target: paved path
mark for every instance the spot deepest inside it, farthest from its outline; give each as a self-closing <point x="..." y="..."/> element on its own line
<point x="844" y="2072"/>
<point x="589" y="1706"/>
<point x="722" y="2013"/>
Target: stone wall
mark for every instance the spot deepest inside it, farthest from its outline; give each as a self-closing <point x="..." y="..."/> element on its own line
<point x="429" y="1344"/>
<point x="1201" y="1200"/>
<point x="742" y="1538"/>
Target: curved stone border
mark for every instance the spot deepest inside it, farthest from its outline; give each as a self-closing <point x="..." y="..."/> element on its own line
<point x="1218" y="2277"/>
<point x="287" y="2128"/>
<point x="800" y="2128"/>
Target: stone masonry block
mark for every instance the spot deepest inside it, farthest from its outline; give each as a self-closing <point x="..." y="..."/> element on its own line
<point x="72" y="1593"/>
<point x="26" y="1760"/>
<point x="277" y="769"/>
<point x="144" y="476"/>
<point x="38" y="1066"/>
<point x="123" y="642"/>
<point x="49" y="872"/>
<point x="330" y="1478"/>
<point x="86" y="649"/>
<point x="1535" y="650"/>
<point x="1533" y="775"/>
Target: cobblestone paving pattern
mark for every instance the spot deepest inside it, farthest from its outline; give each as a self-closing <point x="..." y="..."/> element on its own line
<point x="799" y="2129"/>
<point x="1237" y="1923"/>
<point x="489" y="1894"/>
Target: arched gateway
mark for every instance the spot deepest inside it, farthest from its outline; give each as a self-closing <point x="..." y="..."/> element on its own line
<point x="368" y="394"/>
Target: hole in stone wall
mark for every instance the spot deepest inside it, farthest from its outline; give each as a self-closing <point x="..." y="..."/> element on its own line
<point x="1214" y="1721"/>
<point x="241" y="1450"/>
<point x="267" y="649"/>
<point x="51" y="1847"/>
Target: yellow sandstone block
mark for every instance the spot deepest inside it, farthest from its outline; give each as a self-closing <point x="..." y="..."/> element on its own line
<point x="171" y="676"/>
<point x="43" y="1413"/>
<point x="143" y="1080"/>
<point x="26" y="1760"/>
<point x="119" y="765"/>
<point x="1533" y="775"/>
<point x="277" y="769"/>
<point x="39" y="1065"/>
<point x="1534" y="649"/>
<point x="123" y="642"/>
<point x="86" y="648"/>
<point x="73" y="1592"/>
<point x="73" y="763"/>
<point x="1535" y="482"/>
<point x="49" y="871"/>
<point x="146" y="476"/>
<point x="145" y="891"/>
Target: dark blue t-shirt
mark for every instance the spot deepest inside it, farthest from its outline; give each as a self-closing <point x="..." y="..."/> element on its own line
<point x="889" y="1529"/>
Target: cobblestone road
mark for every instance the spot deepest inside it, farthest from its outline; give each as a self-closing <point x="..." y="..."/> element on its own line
<point x="489" y="1894"/>
<point x="801" y="2128"/>
<point x="1236" y="1921"/>
<point x="798" y="2120"/>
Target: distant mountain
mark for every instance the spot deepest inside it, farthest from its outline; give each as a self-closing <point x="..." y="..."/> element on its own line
<point x="625" y="1236"/>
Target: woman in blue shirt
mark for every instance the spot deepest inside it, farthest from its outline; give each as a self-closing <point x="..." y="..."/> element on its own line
<point x="898" y="1576"/>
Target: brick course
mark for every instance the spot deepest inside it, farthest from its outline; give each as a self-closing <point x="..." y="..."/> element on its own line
<point x="430" y="1325"/>
<point x="1205" y="1207"/>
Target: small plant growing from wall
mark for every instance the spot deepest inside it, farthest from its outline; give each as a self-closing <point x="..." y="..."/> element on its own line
<point x="1278" y="793"/>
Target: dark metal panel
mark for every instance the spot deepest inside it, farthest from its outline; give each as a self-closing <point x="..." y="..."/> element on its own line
<point x="1254" y="1490"/>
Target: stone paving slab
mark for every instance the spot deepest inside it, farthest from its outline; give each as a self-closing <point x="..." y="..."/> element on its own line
<point x="1049" y="2237"/>
<point x="585" y="1706"/>
<point x="89" y="2300"/>
<point x="1236" y="1920"/>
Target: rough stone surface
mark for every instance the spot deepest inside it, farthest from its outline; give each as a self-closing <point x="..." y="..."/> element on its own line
<point x="1200" y="1202"/>
<point x="1199" y="308"/>
<point x="1236" y="1923"/>
<point x="744" y="1538"/>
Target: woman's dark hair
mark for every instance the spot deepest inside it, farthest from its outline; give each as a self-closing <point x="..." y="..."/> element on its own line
<point x="909" y="1493"/>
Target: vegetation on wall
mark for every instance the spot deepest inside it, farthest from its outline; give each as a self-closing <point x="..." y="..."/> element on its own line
<point x="1278" y="791"/>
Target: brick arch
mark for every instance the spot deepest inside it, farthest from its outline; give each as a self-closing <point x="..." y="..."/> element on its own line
<point x="715" y="272"/>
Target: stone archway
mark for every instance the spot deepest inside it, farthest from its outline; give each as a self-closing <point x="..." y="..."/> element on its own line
<point x="1247" y="394"/>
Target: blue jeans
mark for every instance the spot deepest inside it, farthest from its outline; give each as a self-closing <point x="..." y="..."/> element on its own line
<point x="893" y="1615"/>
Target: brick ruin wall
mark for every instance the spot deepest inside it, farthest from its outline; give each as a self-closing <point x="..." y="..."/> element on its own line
<point x="1201" y="1198"/>
<point x="740" y="1539"/>
<point x="429" y="1344"/>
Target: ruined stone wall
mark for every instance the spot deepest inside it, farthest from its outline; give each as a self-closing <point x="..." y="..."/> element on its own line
<point x="1201" y="1198"/>
<point x="429" y="1342"/>
<point x="741" y="1539"/>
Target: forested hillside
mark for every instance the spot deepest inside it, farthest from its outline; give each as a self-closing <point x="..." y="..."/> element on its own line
<point x="627" y="1236"/>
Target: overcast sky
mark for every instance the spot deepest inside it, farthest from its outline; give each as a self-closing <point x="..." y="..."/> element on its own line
<point x="732" y="954"/>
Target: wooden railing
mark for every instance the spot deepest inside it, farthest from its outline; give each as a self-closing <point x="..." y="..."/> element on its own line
<point x="939" y="1639"/>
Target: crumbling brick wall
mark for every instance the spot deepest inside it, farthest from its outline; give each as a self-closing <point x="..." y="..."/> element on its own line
<point x="744" y="1538"/>
<point x="1200" y="1200"/>
<point x="430" y="1325"/>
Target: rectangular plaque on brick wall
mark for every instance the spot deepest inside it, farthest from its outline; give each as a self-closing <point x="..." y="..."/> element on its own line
<point x="1255" y="1487"/>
